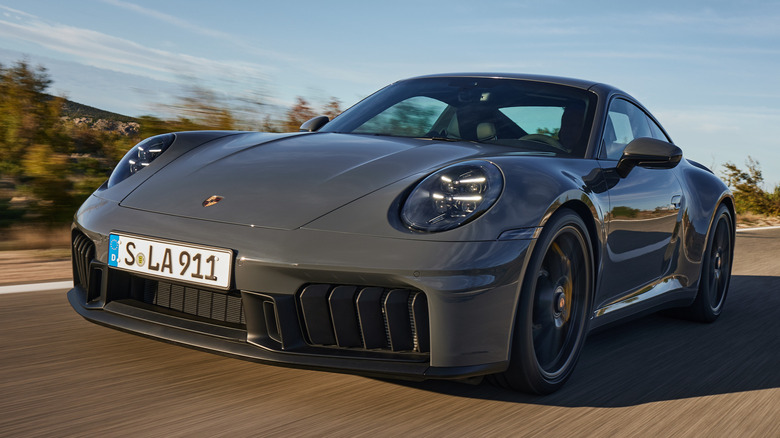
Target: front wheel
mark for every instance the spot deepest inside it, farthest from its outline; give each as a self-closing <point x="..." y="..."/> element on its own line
<point x="552" y="315"/>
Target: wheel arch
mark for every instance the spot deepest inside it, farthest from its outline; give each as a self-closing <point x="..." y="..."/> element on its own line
<point x="726" y="200"/>
<point x="586" y="215"/>
<point x="593" y="217"/>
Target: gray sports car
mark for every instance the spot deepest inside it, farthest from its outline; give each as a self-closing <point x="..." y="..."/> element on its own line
<point x="445" y="227"/>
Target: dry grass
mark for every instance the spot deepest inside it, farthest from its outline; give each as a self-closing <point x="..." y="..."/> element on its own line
<point x="750" y="220"/>
<point x="23" y="237"/>
<point x="30" y="254"/>
<point x="34" y="266"/>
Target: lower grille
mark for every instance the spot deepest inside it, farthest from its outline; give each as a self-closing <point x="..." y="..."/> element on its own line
<point x="83" y="251"/>
<point x="215" y="306"/>
<point x="365" y="317"/>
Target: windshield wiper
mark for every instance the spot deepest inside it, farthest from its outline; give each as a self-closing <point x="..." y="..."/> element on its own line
<point x="441" y="138"/>
<point x="423" y="137"/>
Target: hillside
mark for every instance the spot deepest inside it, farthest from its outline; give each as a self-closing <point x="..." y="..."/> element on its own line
<point x="95" y="118"/>
<point x="74" y="110"/>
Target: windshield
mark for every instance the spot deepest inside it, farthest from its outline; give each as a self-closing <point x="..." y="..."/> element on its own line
<point x="531" y="116"/>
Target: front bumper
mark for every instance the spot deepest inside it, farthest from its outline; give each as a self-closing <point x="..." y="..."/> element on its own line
<point x="159" y="327"/>
<point x="471" y="290"/>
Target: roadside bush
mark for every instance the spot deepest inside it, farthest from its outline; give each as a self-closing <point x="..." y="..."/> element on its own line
<point x="747" y="185"/>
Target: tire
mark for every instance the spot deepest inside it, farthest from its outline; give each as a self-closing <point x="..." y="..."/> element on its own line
<point x="552" y="315"/>
<point x="715" y="269"/>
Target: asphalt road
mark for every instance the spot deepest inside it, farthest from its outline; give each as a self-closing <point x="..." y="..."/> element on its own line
<point x="656" y="376"/>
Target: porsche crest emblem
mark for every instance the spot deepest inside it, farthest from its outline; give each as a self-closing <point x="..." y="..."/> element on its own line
<point x="211" y="200"/>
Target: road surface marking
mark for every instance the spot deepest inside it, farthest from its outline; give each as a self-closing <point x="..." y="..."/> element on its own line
<point x="35" y="287"/>
<point x="773" y="227"/>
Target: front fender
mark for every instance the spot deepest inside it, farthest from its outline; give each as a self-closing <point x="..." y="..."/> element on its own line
<point x="534" y="187"/>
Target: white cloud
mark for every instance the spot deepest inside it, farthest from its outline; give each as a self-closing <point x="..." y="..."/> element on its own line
<point x="171" y="19"/>
<point x="15" y="13"/>
<point x="105" y="51"/>
<point x="249" y="48"/>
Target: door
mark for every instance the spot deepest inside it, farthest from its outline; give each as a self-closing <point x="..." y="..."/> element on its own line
<point x="643" y="209"/>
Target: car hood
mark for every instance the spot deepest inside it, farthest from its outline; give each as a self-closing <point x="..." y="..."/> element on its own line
<point x="286" y="182"/>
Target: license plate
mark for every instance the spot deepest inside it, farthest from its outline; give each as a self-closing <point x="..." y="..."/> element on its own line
<point x="182" y="262"/>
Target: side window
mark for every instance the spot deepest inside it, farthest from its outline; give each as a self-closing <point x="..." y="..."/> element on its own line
<point x="656" y="130"/>
<point x="413" y="117"/>
<point x="625" y="122"/>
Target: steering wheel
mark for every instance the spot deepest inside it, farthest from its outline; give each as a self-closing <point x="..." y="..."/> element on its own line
<point x="546" y="139"/>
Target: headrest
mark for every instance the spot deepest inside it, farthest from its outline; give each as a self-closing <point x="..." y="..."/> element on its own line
<point x="486" y="131"/>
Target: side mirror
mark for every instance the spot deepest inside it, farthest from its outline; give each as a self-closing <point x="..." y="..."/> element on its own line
<point x="648" y="152"/>
<point x="313" y="125"/>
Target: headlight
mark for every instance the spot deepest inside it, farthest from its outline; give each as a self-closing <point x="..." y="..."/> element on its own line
<point x="140" y="156"/>
<point x="453" y="196"/>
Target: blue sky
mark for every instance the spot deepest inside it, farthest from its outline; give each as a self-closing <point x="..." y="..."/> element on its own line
<point x="708" y="70"/>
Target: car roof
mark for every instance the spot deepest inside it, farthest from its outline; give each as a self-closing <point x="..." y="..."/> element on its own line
<point x="578" y="83"/>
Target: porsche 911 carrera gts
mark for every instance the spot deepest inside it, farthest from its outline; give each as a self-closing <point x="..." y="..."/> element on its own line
<point x="445" y="227"/>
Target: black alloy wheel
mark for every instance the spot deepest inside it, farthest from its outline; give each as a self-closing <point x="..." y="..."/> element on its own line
<point x="552" y="317"/>
<point x="716" y="269"/>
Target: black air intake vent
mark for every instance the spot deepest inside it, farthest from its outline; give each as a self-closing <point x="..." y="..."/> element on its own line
<point x="83" y="251"/>
<point x="365" y="317"/>
<point x="219" y="307"/>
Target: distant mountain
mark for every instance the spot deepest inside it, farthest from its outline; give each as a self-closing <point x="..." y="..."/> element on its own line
<point x="74" y="110"/>
<point x="95" y="118"/>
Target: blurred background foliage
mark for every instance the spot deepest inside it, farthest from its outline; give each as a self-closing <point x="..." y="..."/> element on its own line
<point x="54" y="152"/>
<point x="747" y="186"/>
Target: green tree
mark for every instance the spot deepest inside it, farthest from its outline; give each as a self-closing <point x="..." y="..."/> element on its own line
<point x="49" y="164"/>
<point x="28" y="116"/>
<point x="747" y="186"/>
<point x="47" y="173"/>
<point x="8" y="214"/>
